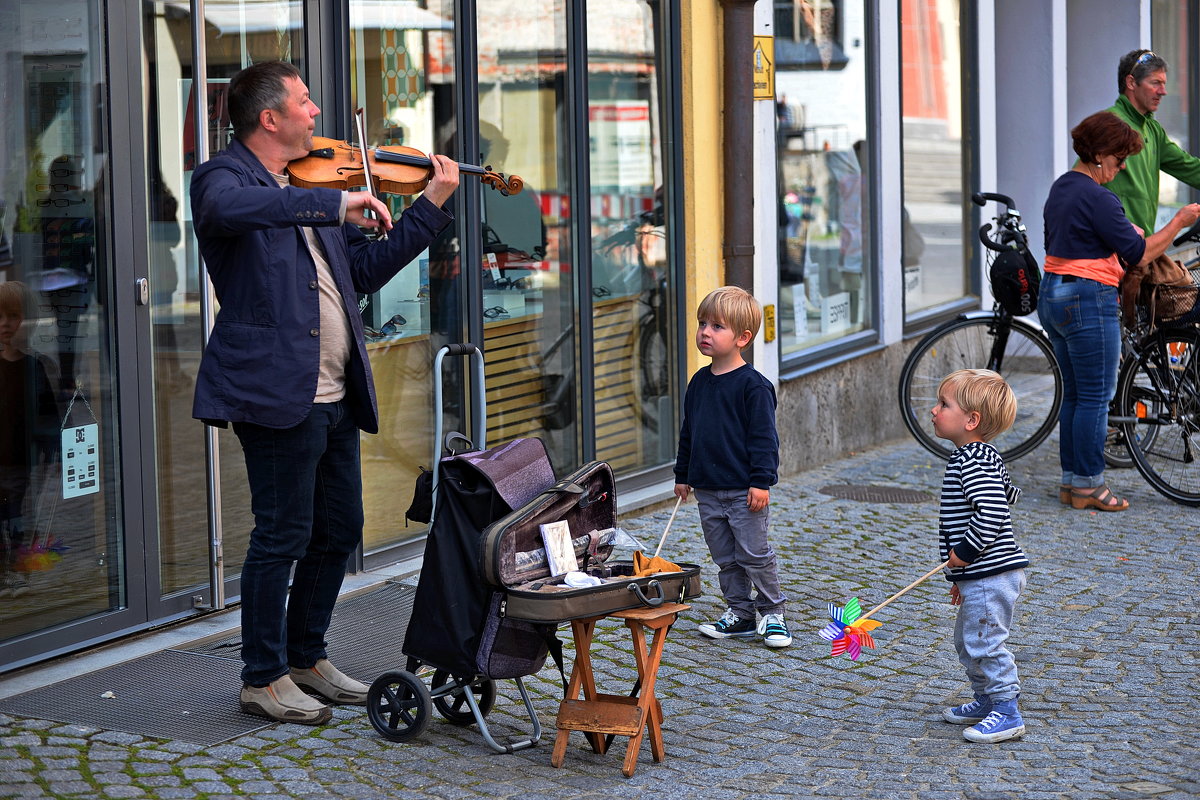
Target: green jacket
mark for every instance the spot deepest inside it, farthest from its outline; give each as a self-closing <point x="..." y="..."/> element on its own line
<point x="1137" y="184"/>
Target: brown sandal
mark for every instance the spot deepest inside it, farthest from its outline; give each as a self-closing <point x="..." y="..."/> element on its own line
<point x="1100" y="500"/>
<point x="1064" y="494"/>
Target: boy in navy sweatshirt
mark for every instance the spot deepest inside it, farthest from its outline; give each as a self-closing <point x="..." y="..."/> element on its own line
<point x="729" y="455"/>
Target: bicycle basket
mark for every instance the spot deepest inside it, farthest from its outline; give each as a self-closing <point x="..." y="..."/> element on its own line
<point x="1167" y="303"/>
<point x="1015" y="281"/>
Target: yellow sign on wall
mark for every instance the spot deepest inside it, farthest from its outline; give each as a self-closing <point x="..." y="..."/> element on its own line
<point x="764" y="67"/>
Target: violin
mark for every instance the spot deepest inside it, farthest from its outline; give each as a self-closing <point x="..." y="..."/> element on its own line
<point x="395" y="169"/>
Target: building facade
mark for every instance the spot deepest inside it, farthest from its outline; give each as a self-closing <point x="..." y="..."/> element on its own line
<point x="121" y="512"/>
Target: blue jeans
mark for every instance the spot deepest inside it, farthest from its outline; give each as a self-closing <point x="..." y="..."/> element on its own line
<point x="737" y="540"/>
<point x="306" y="496"/>
<point x="1082" y="320"/>
<point x="981" y="629"/>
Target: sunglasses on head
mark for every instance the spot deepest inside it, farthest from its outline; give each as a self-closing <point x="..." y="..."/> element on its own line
<point x="1146" y="56"/>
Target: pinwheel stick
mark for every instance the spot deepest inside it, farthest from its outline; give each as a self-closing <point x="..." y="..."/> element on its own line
<point x="919" y="580"/>
<point x="662" y="539"/>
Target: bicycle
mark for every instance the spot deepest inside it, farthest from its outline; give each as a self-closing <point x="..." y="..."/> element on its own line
<point x="994" y="339"/>
<point x="1155" y="412"/>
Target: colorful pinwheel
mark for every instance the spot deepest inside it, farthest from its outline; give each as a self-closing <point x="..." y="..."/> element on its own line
<point x="850" y="630"/>
<point x="846" y="636"/>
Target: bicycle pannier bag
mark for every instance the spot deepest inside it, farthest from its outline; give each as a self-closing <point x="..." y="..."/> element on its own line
<point x="1015" y="281"/>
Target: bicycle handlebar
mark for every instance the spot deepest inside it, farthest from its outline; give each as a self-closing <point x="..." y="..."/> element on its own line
<point x="982" y="198"/>
<point x="1192" y="234"/>
<point x="1011" y="233"/>
<point x="987" y="242"/>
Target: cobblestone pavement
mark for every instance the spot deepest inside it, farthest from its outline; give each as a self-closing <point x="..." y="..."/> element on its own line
<point x="1105" y="639"/>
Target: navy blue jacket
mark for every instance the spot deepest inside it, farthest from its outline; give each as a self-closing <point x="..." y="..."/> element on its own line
<point x="728" y="438"/>
<point x="261" y="361"/>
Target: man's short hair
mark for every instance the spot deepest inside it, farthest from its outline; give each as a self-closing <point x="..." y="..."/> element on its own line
<point x="254" y="90"/>
<point x="987" y="394"/>
<point x="734" y="307"/>
<point x="1104" y="134"/>
<point x="1139" y="64"/>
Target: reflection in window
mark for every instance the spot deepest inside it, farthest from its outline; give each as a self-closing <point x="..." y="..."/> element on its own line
<point x="934" y="265"/>
<point x="1168" y="18"/>
<point x="402" y="76"/>
<point x="61" y="524"/>
<point x="631" y="278"/>
<point x="529" y="309"/>
<point x="823" y="163"/>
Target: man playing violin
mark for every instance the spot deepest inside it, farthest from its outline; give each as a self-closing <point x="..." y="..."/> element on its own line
<point x="287" y="365"/>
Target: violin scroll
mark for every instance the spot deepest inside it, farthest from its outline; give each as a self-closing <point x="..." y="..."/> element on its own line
<point x="507" y="186"/>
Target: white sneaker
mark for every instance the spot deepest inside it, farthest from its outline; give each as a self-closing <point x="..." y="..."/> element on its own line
<point x="774" y="631"/>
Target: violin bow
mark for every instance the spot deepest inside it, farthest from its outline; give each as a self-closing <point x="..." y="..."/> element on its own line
<point x="360" y="121"/>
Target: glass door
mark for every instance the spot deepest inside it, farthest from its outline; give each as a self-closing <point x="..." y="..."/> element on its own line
<point x="237" y="33"/>
<point x="632" y="281"/>
<point x="61" y="528"/>
<point x="402" y="76"/>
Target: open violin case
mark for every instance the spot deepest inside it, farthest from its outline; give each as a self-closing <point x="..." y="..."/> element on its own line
<point x="514" y="559"/>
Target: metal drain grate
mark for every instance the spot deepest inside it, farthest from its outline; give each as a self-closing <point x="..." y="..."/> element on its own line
<point x="868" y="493"/>
<point x="167" y="695"/>
<point x="365" y="635"/>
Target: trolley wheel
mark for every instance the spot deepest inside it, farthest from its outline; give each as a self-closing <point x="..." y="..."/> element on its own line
<point x="453" y="705"/>
<point x="399" y="706"/>
<point x="1024" y="358"/>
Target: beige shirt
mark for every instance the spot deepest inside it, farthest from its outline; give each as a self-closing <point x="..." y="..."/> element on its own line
<point x="336" y="336"/>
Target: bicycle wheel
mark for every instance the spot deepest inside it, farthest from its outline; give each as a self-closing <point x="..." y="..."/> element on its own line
<point x="1027" y="363"/>
<point x="1160" y="389"/>
<point x="653" y="371"/>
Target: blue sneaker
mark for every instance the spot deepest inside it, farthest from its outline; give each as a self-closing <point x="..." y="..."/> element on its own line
<point x="968" y="713"/>
<point x="996" y="727"/>
<point x="729" y="626"/>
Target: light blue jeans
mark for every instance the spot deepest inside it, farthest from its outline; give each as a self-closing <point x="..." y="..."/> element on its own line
<point x="737" y="540"/>
<point x="981" y="630"/>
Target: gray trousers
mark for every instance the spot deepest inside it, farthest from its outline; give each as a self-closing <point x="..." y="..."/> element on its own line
<point x="981" y="629"/>
<point x="737" y="541"/>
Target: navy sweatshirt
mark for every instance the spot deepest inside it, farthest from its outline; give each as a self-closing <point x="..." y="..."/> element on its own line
<point x="728" y="438"/>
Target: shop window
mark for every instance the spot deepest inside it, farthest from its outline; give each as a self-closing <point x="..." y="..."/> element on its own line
<point x="632" y="283"/>
<point x="825" y="273"/>
<point x="808" y="34"/>
<point x="1169" y="24"/>
<point x="936" y="269"/>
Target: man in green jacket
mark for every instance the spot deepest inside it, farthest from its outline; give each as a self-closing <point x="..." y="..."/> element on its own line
<point x="1142" y="82"/>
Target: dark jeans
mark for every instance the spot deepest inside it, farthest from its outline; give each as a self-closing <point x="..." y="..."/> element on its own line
<point x="306" y="495"/>
<point x="1082" y="321"/>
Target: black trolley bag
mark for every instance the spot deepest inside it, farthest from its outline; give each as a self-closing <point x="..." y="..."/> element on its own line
<point x="513" y="556"/>
<point x="455" y="629"/>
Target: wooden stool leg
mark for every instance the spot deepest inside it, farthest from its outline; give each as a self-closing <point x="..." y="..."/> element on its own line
<point x="583" y="678"/>
<point x="647" y="666"/>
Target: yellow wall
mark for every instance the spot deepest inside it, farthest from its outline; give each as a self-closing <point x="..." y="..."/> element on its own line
<point x="702" y="162"/>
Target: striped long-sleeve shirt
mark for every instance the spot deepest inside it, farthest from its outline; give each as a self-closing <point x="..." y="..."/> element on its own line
<point x="974" y="519"/>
